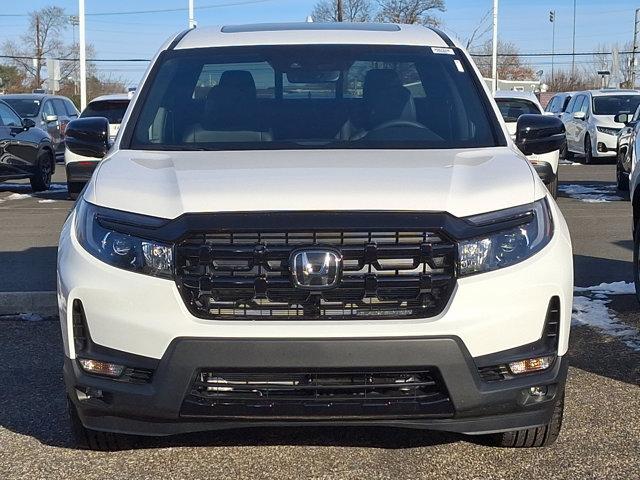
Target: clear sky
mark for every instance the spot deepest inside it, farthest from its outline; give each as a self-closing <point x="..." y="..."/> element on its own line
<point x="137" y="35"/>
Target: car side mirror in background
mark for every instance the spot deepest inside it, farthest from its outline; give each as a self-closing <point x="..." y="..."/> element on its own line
<point x="579" y="115"/>
<point x="27" y="123"/>
<point x="622" y="118"/>
<point x="539" y="134"/>
<point x="50" y="118"/>
<point x="88" y="137"/>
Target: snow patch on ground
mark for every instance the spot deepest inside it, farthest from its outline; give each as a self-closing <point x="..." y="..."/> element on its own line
<point x="590" y="308"/>
<point x="47" y="200"/>
<point x="591" y="193"/>
<point x="18" y="196"/>
<point x="568" y="162"/>
<point x="25" y="317"/>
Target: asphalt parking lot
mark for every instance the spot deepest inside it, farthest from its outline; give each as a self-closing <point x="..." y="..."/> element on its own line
<point x="600" y="437"/>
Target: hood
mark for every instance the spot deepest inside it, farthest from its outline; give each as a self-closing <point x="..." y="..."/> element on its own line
<point x="606" y="121"/>
<point x="461" y="182"/>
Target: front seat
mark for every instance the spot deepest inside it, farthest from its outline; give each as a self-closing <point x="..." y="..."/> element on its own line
<point x="230" y="115"/>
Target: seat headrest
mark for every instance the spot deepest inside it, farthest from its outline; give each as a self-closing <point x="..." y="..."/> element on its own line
<point x="229" y="108"/>
<point x="391" y="103"/>
<point x="379" y="79"/>
<point x="240" y="79"/>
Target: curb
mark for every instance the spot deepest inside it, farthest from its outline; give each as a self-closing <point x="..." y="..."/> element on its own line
<point x="42" y="303"/>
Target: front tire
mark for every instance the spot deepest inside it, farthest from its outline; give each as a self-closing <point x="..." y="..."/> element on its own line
<point x="41" y="180"/>
<point x="535" y="437"/>
<point x="622" y="180"/>
<point x="588" y="151"/>
<point x="636" y="259"/>
<point x="88" y="439"/>
<point x="565" y="153"/>
<point x="74" y="189"/>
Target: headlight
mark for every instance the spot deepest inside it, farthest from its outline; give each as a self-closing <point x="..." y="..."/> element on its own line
<point x="608" y="130"/>
<point x="503" y="248"/>
<point x="120" y="249"/>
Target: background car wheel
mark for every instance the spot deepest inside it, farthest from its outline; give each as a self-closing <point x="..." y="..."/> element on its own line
<point x="92" y="439"/>
<point x="41" y="180"/>
<point x="74" y="189"/>
<point x="588" y="152"/>
<point x="622" y="180"/>
<point x="553" y="187"/>
<point x="565" y="153"/>
<point x="636" y="259"/>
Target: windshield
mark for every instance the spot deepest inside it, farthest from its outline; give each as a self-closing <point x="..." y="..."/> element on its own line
<point x="112" y="110"/>
<point x="284" y="97"/>
<point x="512" y="108"/>
<point x="26" y="107"/>
<point x="614" y="104"/>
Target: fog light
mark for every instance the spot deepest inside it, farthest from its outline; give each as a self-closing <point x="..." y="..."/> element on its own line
<point x="101" y="368"/>
<point x="538" y="391"/>
<point x="530" y="365"/>
<point x="602" y="147"/>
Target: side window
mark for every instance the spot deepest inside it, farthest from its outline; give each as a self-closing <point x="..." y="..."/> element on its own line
<point x="8" y="117"/>
<point x="262" y="73"/>
<point x="71" y="108"/>
<point x="584" y="107"/>
<point x="47" y="109"/>
<point x="552" y="106"/>
<point x="58" y="106"/>
<point x="577" y="105"/>
<point x="565" y="104"/>
<point x="572" y="104"/>
<point x="406" y="72"/>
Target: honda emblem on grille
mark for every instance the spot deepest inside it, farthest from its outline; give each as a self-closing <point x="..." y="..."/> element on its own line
<point x="315" y="268"/>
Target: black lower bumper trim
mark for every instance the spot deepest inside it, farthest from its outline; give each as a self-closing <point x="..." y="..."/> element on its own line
<point x="544" y="171"/>
<point x="80" y="172"/>
<point x="155" y="408"/>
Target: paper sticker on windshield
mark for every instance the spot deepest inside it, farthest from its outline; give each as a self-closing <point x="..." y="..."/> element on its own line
<point x="443" y="51"/>
<point x="459" y="65"/>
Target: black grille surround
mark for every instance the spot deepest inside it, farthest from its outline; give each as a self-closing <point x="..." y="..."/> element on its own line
<point x="387" y="274"/>
<point x="317" y="394"/>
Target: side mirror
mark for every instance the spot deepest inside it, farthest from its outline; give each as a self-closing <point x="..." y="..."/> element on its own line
<point x="88" y="137"/>
<point x="27" y="123"/>
<point x="622" y="118"/>
<point x="50" y="118"/>
<point x="579" y="115"/>
<point x="539" y="134"/>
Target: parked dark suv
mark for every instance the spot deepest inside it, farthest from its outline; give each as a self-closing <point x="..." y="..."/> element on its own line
<point x="51" y="113"/>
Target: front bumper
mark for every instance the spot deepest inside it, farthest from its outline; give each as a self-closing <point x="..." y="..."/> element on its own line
<point x="604" y="145"/>
<point x="156" y="408"/>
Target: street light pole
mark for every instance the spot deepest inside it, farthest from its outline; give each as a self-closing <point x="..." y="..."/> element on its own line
<point x="340" y="11"/>
<point x="573" y="56"/>
<point x="494" y="56"/>
<point x="552" y="19"/>
<point x="192" y="21"/>
<point x="635" y="49"/>
<point x="83" y="55"/>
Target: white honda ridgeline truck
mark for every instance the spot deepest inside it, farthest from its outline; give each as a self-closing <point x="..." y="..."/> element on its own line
<point x="313" y="224"/>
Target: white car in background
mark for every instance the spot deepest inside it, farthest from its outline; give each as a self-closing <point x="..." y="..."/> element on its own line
<point x="589" y="121"/>
<point x="513" y="104"/>
<point x="80" y="167"/>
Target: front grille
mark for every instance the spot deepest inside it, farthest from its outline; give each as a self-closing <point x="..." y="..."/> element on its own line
<point x="317" y="394"/>
<point x="387" y="274"/>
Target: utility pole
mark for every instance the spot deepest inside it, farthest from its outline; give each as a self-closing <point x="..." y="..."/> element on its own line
<point x="494" y="56"/>
<point x="635" y="49"/>
<point x="552" y="19"/>
<point x="83" y="55"/>
<point x="73" y="20"/>
<point x="38" y="62"/>
<point x="192" y="21"/>
<point x="573" y="55"/>
<point x="340" y="11"/>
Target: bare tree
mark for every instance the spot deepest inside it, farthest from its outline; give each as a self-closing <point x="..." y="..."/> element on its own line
<point x="483" y="27"/>
<point x="410" y="11"/>
<point x="563" y="81"/>
<point x="511" y="66"/>
<point x="608" y="57"/>
<point x="354" y="11"/>
<point x="42" y="40"/>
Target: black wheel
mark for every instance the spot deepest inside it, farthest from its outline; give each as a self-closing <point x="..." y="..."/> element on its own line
<point x="532" y="437"/>
<point x="588" y="151"/>
<point x="74" y="189"/>
<point x="622" y="180"/>
<point x="94" y="440"/>
<point x="565" y="153"/>
<point x="636" y="259"/>
<point x="553" y="186"/>
<point x="41" y="180"/>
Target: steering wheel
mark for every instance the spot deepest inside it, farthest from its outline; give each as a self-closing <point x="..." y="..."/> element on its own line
<point x="399" y="123"/>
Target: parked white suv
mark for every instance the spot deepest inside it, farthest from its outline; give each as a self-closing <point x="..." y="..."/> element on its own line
<point x="80" y="166"/>
<point x="315" y="224"/>
<point x="514" y="104"/>
<point x="589" y="120"/>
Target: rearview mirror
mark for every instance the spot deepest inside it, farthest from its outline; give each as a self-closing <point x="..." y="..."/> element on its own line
<point x="539" y="134"/>
<point x="579" y="115"/>
<point x="622" y="118"/>
<point x="88" y="137"/>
